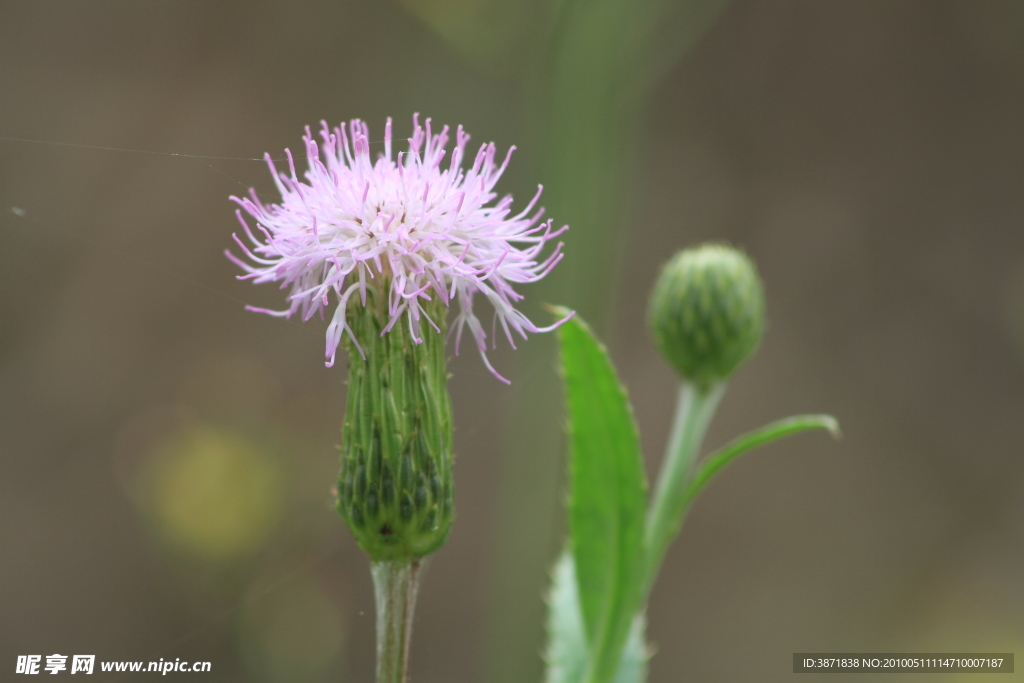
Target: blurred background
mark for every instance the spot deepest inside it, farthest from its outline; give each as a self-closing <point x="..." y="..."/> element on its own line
<point x="166" y="458"/>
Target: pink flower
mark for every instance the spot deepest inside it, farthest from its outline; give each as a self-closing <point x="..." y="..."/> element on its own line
<point x="404" y="223"/>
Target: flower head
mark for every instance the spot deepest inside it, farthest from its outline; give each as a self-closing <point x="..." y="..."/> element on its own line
<point x="707" y="312"/>
<point x="413" y="230"/>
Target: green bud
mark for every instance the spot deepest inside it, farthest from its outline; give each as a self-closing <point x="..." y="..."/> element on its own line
<point x="707" y="312"/>
<point x="397" y="436"/>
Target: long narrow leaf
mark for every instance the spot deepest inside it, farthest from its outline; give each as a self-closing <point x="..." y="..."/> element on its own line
<point x="759" y="437"/>
<point x="607" y="501"/>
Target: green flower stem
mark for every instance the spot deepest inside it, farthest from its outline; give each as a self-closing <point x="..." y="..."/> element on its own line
<point x="395" y="584"/>
<point x="694" y="411"/>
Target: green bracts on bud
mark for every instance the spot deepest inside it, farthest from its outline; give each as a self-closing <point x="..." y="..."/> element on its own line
<point x="707" y="312"/>
<point x="395" y="487"/>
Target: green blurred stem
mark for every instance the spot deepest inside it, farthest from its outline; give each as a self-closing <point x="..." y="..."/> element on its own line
<point x="395" y="585"/>
<point x="694" y="410"/>
<point x="596" y="66"/>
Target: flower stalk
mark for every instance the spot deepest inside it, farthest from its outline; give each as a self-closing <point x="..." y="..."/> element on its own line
<point x="694" y="410"/>
<point x="395" y="585"/>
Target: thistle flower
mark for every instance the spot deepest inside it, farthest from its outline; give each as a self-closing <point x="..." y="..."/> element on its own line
<point x="406" y="227"/>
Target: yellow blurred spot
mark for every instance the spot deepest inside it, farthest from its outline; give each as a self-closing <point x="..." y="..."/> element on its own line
<point x="214" y="493"/>
<point x="293" y="635"/>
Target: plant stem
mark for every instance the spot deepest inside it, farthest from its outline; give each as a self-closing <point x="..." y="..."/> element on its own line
<point x="395" y="584"/>
<point x="694" y="410"/>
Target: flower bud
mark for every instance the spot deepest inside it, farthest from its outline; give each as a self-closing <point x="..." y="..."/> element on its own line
<point x="395" y="487"/>
<point x="706" y="313"/>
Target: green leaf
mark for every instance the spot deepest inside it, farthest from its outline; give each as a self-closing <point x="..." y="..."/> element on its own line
<point x="566" y="654"/>
<point x="567" y="645"/>
<point x="759" y="437"/>
<point x="607" y="500"/>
